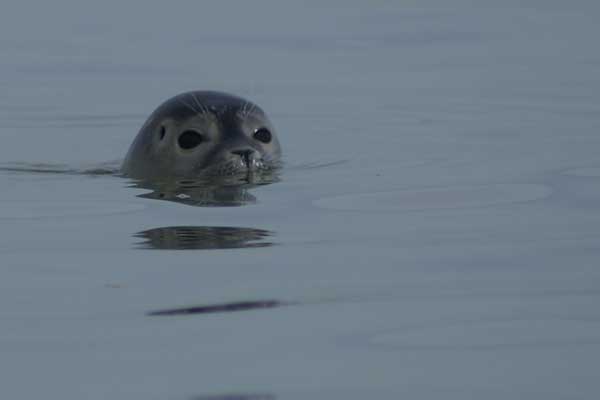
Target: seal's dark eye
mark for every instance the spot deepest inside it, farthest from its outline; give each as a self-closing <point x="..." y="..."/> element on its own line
<point x="263" y="135"/>
<point x="189" y="139"/>
<point x="162" y="132"/>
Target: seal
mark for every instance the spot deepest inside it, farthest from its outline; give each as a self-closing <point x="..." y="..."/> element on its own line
<point x="203" y="133"/>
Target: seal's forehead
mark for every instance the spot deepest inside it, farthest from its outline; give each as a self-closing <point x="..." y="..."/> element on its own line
<point x="191" y="104"/>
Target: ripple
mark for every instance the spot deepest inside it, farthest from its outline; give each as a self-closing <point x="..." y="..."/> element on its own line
<point x="38" y="209"/>
<point x="104" y="168"/>
<point x="438" y="198"/>
<point x="589" y="172"/>
<point x="237" y="396"/>
<point x="490" y="335"/>
<point x="220" y="191"/>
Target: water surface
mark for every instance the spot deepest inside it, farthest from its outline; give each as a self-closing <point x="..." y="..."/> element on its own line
<point x="434" y="231"/>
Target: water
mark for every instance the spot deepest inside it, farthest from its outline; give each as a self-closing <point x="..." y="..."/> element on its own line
<point x="434" y="233"/>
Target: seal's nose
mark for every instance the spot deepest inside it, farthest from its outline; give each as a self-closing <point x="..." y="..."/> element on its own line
<point x="245" y="154"/>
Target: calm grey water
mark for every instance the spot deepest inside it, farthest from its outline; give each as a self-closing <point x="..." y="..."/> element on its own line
<point x="434" y="234"/>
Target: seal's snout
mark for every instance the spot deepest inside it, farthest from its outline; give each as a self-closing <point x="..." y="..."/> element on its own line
<point x="244" y="153"/>
<point x="247" y="155"/>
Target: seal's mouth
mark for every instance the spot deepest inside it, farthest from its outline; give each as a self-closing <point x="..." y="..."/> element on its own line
<point x="239" y="166"/>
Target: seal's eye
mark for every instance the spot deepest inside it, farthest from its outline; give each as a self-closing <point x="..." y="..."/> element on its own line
<point x="189" y="139"/>
<point x="263" y="135"/>
<point x="162" y="133"/>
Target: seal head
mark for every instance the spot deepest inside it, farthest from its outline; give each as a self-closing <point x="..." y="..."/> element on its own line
<point x="203" y="133"/>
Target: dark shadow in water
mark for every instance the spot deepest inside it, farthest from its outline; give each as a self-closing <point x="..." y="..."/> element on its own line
<point x="220" y="308"/>
<point x="236" y="396"/>
<point x="203" y="238"/>
<point x="231" y="191"/>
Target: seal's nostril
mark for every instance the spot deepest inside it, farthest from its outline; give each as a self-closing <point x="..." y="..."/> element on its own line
<point x="245" y="155"/>
<point x="242" y="153"/>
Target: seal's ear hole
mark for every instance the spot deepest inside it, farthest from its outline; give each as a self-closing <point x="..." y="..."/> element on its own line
<point x="162" y="132"/>
<point x="263" y="135"/>
<point x="189" y="139"/>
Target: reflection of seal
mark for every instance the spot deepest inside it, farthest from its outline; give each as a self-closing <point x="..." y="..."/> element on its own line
<point x="203" y="133"/>
<point x="200" y="193"/>
<point x="203" y="238"/>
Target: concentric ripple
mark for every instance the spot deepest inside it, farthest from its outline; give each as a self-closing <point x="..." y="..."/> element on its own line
<point x="438" y="198"/>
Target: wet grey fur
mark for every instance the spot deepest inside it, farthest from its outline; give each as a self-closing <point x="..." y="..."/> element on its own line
<point x="227" y="125"/>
